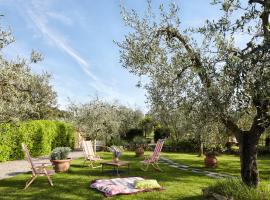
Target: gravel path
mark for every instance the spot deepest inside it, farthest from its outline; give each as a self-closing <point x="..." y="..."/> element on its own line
<point x="13" y="168"/>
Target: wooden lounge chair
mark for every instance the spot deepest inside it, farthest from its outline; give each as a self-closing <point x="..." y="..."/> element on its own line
<point x="38" y="169"/>
<point x="153" y="160"/>
<point x="90" y="155"/>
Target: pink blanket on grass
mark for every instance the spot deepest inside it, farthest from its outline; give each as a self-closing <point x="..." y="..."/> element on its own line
<point x="111" y="187"/>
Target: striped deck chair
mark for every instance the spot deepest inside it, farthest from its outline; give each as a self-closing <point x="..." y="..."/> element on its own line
<point x="38" y="169"/>
<point x="90" y="155"/>
<point x="153" y="160"/>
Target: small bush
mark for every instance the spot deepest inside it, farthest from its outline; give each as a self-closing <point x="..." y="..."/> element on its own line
<point x="132" y="133"/>
<point x="263" y="150"/>
<point x="139" y="141"/>
<point x="161" y="133"/>
<point x="60" y="153"/>
<point x="117" y="141"/>
<point x="238" y="190"/>
<point x="40" y="136"/>
<point x="185" y="145"/>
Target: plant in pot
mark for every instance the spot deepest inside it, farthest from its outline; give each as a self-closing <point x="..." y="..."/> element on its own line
<point x="210" y="159"/>
<point x="60" y="160"/>
<point x="116" y="151"/>
<point x="139" y="144"/>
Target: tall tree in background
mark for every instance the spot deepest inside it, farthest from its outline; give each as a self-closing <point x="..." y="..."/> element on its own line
<point x="97" y="119"/>
<point x="147" y="124"/>
<point x="129" y="118"/>
<point x="23" y="94"/>
<point x="234" y="79"/>
<point x="100" y="120"/>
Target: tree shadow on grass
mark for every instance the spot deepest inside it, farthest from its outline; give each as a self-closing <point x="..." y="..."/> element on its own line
<point x="64" y="188"/>
<point x="75" y="184"/>
<point x="197" y="197"/>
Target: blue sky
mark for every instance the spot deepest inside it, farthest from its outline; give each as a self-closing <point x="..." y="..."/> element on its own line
<point x="76" y="40"/>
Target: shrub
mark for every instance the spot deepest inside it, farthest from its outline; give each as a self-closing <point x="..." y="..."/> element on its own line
<point x="40" y="136"/>
<point x="60" y="153"/>
<point x="132" y="133"/>
<point x="263" y="150"/>
<point x="238" y="190"/>
<point x="117" y="141"/>
<point x="161" y="133"/>
<point x="139" y="141"/>
<point x="185" y="145"/>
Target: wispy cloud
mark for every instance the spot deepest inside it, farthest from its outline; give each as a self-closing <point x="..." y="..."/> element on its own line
<point x="40" y="17"/>
<point x="60" y="17"/>
<point x="41" y="24"/>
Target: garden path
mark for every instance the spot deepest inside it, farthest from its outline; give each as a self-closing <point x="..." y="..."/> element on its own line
<point x="12" y="168"/>
<point x="191" y="169"/>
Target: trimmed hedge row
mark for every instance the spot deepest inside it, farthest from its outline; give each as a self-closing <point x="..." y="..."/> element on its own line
<point x="40" y="136"/>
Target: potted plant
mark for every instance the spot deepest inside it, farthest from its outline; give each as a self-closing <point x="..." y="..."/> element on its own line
<point x="210" y="159"/>
<point x="60" y="160"/>
<point x="139" y="143"/>
<point x="117" y="152"/>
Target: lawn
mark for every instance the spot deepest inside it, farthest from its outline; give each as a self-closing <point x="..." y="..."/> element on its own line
<point x="227" y="164"/>
<point x="75" y="184"/>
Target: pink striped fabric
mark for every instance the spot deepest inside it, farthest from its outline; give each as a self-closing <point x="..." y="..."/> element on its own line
<point x="156" y="153"/>
<point x="111" y="187"/>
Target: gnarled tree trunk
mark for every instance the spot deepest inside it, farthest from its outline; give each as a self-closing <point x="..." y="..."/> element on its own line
<point x="248" y="156"/>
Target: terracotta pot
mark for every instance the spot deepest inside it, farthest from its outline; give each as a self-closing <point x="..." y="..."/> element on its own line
<point x="139" y="152"/>
<point x="61" y="165"/>
<point x="210" y="161"/>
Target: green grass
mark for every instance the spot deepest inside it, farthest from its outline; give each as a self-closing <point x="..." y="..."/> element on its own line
<point x="227" y="164"/>
<point x="75" y="184"/>
<point x="236" y="189"/>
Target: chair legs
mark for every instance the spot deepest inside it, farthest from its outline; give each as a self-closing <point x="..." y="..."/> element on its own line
<point x="28" y="183"/>
<point x="144" y="168"/>
<point x="50" y="180"/>
<point x="155" y="166"/>
<point x="91" y="164"/>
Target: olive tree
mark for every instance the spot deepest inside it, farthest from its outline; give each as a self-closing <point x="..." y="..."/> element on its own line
<point x="23" y="94"/>
<point x="129" y="119"/>
<point x="233" y="78"/>
<point x="97" y="119"/>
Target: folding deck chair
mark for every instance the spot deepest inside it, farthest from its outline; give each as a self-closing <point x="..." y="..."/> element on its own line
<point x="38" y="169"/>
<point x="90" y="155"/>
<point x="153" y="160"/>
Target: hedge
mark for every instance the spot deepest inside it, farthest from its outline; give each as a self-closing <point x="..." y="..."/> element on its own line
<point x="40" y="136"/>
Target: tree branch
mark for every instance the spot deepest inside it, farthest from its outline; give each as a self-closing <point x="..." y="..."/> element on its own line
<point x="256" y="1"/>
<point x="195" y="58"/>
<point x="170" y="33"/>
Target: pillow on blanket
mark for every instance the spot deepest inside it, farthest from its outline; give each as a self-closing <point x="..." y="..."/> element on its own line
<point x="109" y="189"/>
<point x="147" y="184"/>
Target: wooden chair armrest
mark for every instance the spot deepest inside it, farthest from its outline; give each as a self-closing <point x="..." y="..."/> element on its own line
<point x="42" y="164"/>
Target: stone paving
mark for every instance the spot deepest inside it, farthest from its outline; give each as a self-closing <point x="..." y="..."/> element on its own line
<point x="13" y="168"/>
<point x="191" y="169"/>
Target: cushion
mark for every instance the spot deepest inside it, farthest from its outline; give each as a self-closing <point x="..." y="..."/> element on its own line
<point x="109" y="189"/>
<point x="146" y="184"/>
<point x="115" y="186"/>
